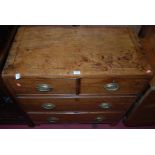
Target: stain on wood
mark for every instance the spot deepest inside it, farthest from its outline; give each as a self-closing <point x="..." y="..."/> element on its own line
<point x="58" y="51"/>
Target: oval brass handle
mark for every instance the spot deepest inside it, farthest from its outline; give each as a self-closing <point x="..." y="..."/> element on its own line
<point x="44" y="87"/>
<point x="111" y="86"/>
<point x="99" y="119"/>
<point x="105" y="106"/>
<point x="52" y="119"/>
<point x="48" y="106"/>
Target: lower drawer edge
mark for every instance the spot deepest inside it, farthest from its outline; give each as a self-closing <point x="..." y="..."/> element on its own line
<point x="84" y="117"/>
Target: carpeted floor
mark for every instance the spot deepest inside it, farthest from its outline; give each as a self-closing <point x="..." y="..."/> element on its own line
<point x="120" y="125"/>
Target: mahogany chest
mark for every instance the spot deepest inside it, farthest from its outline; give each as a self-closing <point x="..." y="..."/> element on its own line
<point x="84" y="74"/>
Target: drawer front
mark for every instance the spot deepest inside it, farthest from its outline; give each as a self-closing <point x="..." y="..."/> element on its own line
<point x="42" y="86"/>
<point x="120" y="103"/>
<point x="107" y="103"/>
<point x="112" y="86"/>
<point x="93" y="117"/>
<point x="47" y="104"/>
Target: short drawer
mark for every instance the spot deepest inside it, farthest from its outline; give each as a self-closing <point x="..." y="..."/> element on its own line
<point x="106" y="103"/>
<point x="93" y="117"/>
<point x="42" y="86"/>
<point x="112" y="86"/>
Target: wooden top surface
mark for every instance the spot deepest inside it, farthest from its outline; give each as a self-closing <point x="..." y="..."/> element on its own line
<point x="57" y="51"/>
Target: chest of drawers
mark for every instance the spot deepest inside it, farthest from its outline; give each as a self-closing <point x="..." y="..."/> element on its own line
<point x="65" y="74"/>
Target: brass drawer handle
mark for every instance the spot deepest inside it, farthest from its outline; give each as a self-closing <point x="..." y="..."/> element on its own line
<point x="52" y="119"/>
<point x="105" y="106"/>
<point x="111" y="86"/>
<point x="99" y="119"/>
<point x="44" y="87"/>
<point x="48" y="106"/>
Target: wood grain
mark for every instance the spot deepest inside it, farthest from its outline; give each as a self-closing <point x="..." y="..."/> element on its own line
<point x="48" y="51"/>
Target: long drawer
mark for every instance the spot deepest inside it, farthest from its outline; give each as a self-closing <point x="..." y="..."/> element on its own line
<point x="42" y="86"/>
<point x="89" y="103"/>
<point x="92" y="117"/>
<point x="112" y="86"/>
